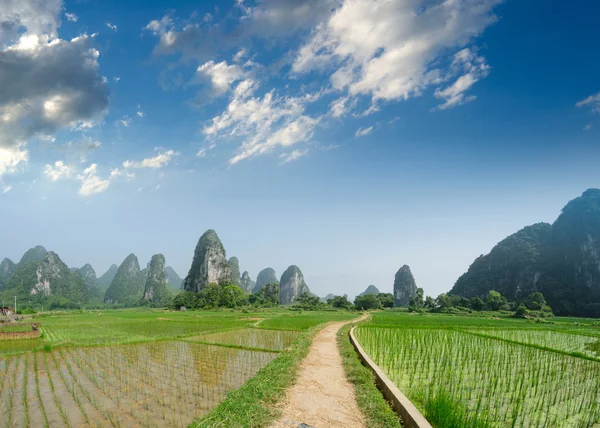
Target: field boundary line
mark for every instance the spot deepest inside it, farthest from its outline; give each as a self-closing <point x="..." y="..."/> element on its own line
<point x="411" y="417"/>
<point x="531" y="345"/>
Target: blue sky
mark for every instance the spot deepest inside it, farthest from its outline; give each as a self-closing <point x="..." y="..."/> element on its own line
<point x="346" y="137"/>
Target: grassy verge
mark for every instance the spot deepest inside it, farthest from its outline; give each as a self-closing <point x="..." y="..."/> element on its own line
<point x="254" y="404"/>
<point x="376" y="409"/>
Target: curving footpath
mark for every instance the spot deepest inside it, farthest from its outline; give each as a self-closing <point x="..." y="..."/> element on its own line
<point x="322" y="396"/>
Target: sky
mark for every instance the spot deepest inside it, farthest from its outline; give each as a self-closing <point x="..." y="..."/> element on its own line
<point x="347" y="137"/>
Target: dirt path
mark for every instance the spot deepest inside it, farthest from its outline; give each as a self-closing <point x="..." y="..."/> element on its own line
<point x="321" y="396"/>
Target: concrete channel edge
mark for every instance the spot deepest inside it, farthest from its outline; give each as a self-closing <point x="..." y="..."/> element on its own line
<point x="411" y="417"/>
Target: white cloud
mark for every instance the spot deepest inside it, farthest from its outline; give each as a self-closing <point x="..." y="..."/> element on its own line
<point x="158" y="161"/>
<point x="221" y="75"/>
<point x="240" y="55"/>
<point x="292" y="156"/>
<point x="111" y="26"/>
<point x="264" y="122"/>
<point x="474" y="68"/>
<point x="139" y="112"/>
<point x="33" y="16"/>
<point x="593" y="101"/>
<point x="125" y="121"/>
<point x="91" y="183"/>
<point x="10" y="158"/>
<point x="54" y="83"/>
<point x="119" y="172"/>
<point x="116" y="78"/>
<point x="201" y="153"/>
<point x="6" y="189"/>
<point x="361" y="132"/>
<point x="391" y="50"/>
<point x="58" y="171"/>
<point x="71" y="17"/>
<point x="587" y="127"/>
<point x="340" y="107"/>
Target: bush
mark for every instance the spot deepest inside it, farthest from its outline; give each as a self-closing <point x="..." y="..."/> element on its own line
<point x="386" y="300"/>
<point x="340" y="302"/>
<point x="521" y="312"/>
<point x="308" y="302"/>
<point x="366" y="302"/>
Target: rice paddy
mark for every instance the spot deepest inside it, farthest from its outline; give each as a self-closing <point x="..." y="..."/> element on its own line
<point x="135" y="368"/>
<point x="462" y="376"/>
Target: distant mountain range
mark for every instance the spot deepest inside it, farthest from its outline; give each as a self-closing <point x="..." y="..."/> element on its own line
<point x="42" y="278"/>
<point x="561" y="260"/>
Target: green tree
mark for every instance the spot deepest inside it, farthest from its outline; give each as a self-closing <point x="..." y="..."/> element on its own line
<point x="366" y="302"/>
<point x="232" y="296"/>
<point x="536" y="301"/>
<point x="495" y="301"/>
<point x="340" y="302"/>
<point x="443" y="302"/>
<point x="269" y="294"/>
<point x="477" y="303"/>
<point x="209" y="297"/>
<point x="521" y="312"/>
<point x="429" y="303"/>
<point x="186" y="299"/>
<point x="308" y="302"/>
<point x="386" y="300"/>
<point x="416" y="302"/>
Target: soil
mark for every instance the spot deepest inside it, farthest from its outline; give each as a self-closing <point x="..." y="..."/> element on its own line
<point x="322" y="396"/>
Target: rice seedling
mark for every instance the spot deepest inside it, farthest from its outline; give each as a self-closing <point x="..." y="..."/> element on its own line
<point x="252" y="338"/>
<point x="559" y="340"/>
<point x="461" y="379"/>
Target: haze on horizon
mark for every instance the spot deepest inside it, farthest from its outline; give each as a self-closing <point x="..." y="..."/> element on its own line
<point x="298" y="139"/>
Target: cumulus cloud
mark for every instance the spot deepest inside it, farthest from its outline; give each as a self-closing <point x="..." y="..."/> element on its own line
<point x="292" y="156"/>
<point x="58" y="171"/>
<point x="35" y="16"/>
<point x="158" y="161"/>
<point x="139" y="112"/>
<point x="11" y="158"/>
<point x="54" y="83"/>
<point x="71" y="17"/>
<point x="111" y="26"/>
<point x="361" y="132"/>
<point x="6" y="189"/>
<point x="593" y="101"/>
<point x="221" y="75"/>
<point x="391" y="50"/>
<point x="91" y="183"/>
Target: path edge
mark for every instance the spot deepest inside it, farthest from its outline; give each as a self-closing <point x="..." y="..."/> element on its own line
<point x="411" y="417"/>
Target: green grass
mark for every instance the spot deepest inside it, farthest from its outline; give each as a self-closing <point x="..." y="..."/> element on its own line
<point x="304" y="320"/>
<point x="255" y="403"/>
<point x="371" y="402"/>
<point x="15" y="328"/>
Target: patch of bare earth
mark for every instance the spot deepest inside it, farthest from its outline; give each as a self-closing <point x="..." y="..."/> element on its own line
<point x="322" y="396"/>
